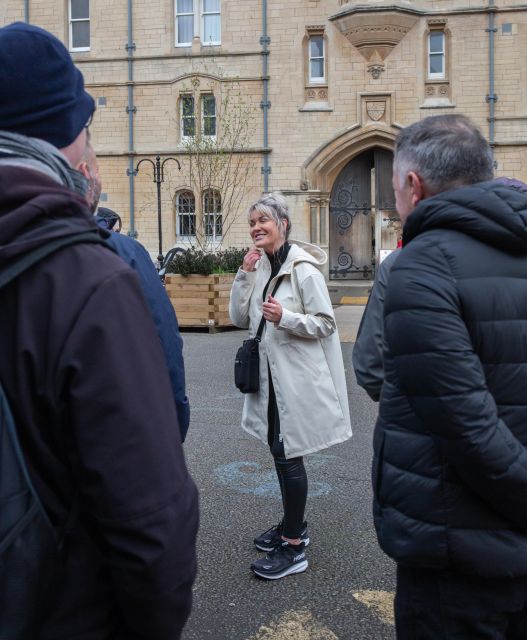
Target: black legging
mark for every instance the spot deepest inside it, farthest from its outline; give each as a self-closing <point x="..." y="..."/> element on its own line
<point x="291" y="473"/>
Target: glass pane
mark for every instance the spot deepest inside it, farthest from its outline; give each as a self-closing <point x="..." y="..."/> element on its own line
<point x="186" y="203"/>
<point x="209" y="126"/>
<point x="185" y="6"/>
<point x="188" y="106"/>
<point x="186" y="226"/>
<point x="80" y="9"/>
<point x="219" y="229"/>
<point x="189" y="126"/>
<point x="317" y="69"/>
<point x="185" y="29"/>
<point x="209" y="106"/>
<point x="436" y="63"/>
<point x="436" y="42"/>
<point x="206" y="202"/>
<point x="211" y="5"/>
<point x="211" y="29"/>
<point x="316" y="44"/>
<point x="80" y="34"/>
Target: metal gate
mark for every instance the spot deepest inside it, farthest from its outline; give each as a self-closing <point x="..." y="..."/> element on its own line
<point x="351" y="226"/>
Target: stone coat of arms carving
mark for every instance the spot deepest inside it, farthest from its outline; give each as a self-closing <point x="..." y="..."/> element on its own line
<point x="376" y="110"/>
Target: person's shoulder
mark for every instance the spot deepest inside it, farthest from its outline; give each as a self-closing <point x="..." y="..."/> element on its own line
<point x="128" y="248"/>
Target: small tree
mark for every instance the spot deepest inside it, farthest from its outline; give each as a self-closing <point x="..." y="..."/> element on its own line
<point x="220" y="164"/>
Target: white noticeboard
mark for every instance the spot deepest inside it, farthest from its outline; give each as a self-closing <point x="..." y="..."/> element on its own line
<point x="384" y="253"/>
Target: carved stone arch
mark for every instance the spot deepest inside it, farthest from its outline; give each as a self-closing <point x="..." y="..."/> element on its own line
<point x="324" y="165"/>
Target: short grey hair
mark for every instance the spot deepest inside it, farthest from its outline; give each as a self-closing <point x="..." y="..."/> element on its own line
<point x="275" y="206"/>
<point x="445" y="151"/>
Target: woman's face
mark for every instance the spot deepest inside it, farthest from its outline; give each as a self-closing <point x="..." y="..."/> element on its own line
<point x="264" y="232"/>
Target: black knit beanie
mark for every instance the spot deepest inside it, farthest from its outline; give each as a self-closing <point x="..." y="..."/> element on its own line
<point x="42" y="93"/>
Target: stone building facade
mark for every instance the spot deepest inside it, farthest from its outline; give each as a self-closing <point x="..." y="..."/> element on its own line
<point x="326" y="85"/>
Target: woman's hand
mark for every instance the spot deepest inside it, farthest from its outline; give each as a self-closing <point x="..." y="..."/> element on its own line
<point x="250" y="259"/>
<point x="272" y="310"/>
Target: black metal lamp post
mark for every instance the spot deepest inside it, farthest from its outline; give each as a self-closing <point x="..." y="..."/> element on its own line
<point x="159" y="177"/>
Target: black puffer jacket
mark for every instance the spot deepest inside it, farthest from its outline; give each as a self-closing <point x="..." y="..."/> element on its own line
<point x="450" y="465"/>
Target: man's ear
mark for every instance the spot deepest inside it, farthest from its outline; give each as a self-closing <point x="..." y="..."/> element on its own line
<point x="83" y="168"/>
<point x="417" y="188"/>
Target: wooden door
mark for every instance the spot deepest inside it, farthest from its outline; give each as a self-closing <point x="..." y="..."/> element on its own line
<point x="350" y="226"/>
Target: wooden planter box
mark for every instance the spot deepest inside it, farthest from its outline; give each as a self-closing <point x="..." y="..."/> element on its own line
<point x="200" y="301"/>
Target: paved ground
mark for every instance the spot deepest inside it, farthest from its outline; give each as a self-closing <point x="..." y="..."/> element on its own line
<point x="347" y="592"/>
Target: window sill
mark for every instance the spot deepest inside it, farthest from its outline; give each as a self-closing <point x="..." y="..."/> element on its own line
<point x="316" y="106"/>
<point x="437" y="103"/>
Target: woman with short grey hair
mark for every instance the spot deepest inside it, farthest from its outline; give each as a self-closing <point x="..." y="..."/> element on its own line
<point x="302" y="403"/>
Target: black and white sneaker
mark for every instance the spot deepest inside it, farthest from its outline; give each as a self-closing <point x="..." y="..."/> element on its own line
<point x="282" y="561"/>
<point x="268" y="540"/>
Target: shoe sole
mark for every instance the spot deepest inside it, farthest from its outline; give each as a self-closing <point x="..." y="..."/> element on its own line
<point x="297" y="568"/>
<point x="260" y="547"/>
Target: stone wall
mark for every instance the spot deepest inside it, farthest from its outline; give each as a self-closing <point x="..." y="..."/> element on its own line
<point x="376" y="83"/>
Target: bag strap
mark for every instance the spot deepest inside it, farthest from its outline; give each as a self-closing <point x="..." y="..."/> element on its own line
<point x="7" y="275"/>
<point x="258" y="335"/>
<point x="29" y="259"/>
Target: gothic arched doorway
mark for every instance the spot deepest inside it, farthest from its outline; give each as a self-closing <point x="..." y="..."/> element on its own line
<point x="362" y="215"/>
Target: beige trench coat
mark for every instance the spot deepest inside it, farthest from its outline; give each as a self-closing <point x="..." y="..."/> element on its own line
<point x="303" y="352"/>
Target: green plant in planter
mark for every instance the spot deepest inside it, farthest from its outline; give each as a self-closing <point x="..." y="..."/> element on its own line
<point x="195" y="261"/>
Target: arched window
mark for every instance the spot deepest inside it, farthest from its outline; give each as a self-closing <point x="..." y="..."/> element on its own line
<point x="212" y="218"/>
<point x="186" y="214"/>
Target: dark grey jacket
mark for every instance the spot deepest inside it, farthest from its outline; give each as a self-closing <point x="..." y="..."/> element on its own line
<point x="367" y="354"/>
<point x="450" y="443"/>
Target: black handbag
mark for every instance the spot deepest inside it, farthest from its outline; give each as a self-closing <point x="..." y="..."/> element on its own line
<point x="247" y="361"/>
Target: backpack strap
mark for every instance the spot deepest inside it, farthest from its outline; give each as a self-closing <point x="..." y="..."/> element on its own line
<point x="7" y="275"/>
<point x="14" y="269"/>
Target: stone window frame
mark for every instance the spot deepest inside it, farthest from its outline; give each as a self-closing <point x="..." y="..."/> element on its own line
<point x="198" y="24"/>
<point x="190" y="214"/>
<point x="72" y="21"/>
<point x="198" y="108"/>
<point x="315" y="91"/>
<point x="437" y="87"/>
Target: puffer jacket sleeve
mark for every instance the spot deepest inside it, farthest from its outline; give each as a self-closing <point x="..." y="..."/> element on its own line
<point x="368" y="349"/>
<point x="318" y="319"/>
<point x="240" y="300"/>
<point x="441" y="375"/>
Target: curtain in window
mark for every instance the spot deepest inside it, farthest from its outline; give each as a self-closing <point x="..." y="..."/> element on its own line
<point x="80" y="24"/>
<point x="211" y="21"/>
<point x="185" y="21"/>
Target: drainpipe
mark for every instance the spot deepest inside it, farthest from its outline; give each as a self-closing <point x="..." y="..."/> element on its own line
<point x="26" y="11"/>
<point x="131" y="110"/>
<point x="491" y="98"/>
<point x="265" y="104"/>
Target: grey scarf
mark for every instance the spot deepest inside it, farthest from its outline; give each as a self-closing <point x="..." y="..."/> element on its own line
<point x="32" y="153"/>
